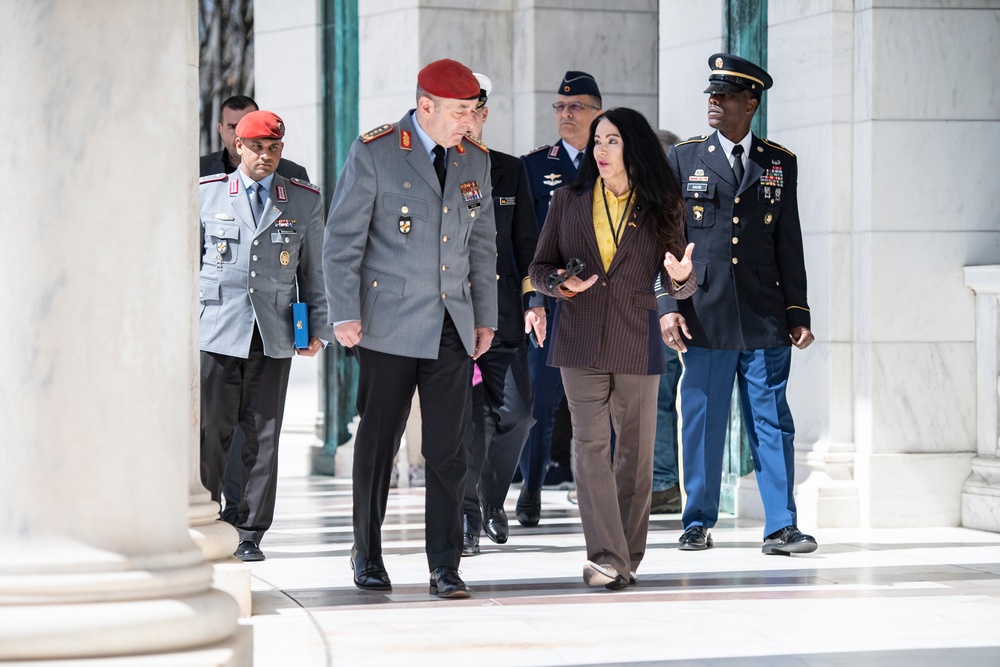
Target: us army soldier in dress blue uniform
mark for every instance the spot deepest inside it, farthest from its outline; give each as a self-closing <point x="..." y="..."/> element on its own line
<point x="749" y="309"/>
<point x="410" y="258"/>
<point x="577" y="104"/>
<point x="255" y="244"/>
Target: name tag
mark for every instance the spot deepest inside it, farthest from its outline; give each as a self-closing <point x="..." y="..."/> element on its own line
<point x="506" y="201"/>
<point x="697" y="187"/>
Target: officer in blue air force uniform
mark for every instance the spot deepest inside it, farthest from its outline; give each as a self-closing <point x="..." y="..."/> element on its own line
<point x="410" y="268"/>
<point x="577" y="104"/>
<point x="749" y="309"/>
<point x="260" y="234"/>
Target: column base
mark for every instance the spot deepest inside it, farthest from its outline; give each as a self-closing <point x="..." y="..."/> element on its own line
<point x="981" y="495"/>
<point x="234" y="577"/>
<point x="237" y="651"/>
<point x="165" y="625"/>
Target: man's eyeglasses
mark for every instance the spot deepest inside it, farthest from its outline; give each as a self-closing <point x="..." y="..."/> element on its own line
<point x="573" y="107"/>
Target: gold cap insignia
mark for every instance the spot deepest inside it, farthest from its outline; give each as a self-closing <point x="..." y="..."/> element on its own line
<point x="284" y="258"/>
<point x="718" y="63"/>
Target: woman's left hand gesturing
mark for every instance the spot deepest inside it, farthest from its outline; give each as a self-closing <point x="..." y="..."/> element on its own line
<point x="679" y="270"/>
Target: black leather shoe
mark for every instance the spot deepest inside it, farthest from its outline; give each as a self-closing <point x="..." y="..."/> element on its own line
<point x="529" y="508"/>
<point x="445" y="583"/>
<point x="494" y="520"/>
<point x="470" y="545"/>
<point x="619" y="583"/>
<point x="248" y="552"/>
<point x="368" y="574"/>
<point x="695" y="538"/>
<point x="787" y="541"/>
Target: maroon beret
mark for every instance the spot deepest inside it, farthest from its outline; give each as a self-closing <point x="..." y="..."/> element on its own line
<point x="260" y="125"/>
<point x="449" y="78"/>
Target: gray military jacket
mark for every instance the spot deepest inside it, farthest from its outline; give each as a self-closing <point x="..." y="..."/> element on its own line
<point x="250" y="272"/>
<point x="398" y="253"/>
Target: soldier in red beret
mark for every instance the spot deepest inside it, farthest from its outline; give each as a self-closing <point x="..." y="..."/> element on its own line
<point x="409" y="259"/>
<point x="262" y="238"/>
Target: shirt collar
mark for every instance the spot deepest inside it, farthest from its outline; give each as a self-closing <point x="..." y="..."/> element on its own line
<point x="571" y="152"/>
<point x="425" y="139"/>
<point x="265" y="183"/>
<point x="727" y="145"/>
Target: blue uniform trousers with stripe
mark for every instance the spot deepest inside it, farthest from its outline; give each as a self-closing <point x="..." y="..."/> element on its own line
<point x="706" y="389"/>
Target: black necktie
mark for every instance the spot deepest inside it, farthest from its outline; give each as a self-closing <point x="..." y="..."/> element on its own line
<point x="738" y="163"/>
<point x="439" y="165"/>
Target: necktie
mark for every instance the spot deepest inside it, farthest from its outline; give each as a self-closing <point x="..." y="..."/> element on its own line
<point x="256" y="205"/>
<point x="439" y="165"/>
<point x="578" y="160"/>
<point x="738" y="163"/>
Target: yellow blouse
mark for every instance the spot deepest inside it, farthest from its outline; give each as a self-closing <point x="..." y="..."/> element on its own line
<point x="616" y="206"/>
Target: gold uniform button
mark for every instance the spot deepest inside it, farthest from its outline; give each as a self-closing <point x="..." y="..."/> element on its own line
<point x="697" y="195"/>
<point x="736" y="260"/>
<point x="405" y="209"/>
<point x="735" y="240"/>
<point x="498" y="276"/>
<point x="374" y="283"/>
<point x="443" y="295"/>
<point x="251" y="290"/>
<point x="444" y="238"/>
<point x="255" y="258"/>
<point x="736" y="220"/>
<point x="256" y="242"/>
<point x="472" y="214"/>
<point x="736" y="201"/>
<point x="253" y="274"/>
<point x="444" y="267"/>
<point x="445" y="209"/>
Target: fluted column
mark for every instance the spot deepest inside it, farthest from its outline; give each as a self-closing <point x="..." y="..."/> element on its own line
<point x="98" y="343"/>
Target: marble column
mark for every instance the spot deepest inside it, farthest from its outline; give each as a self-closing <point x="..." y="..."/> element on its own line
<point x="981" y="493"/>
<point x="98" y="341"/>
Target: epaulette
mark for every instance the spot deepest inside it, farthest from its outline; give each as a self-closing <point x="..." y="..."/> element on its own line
<point x="305" y="184"/>
<point x="540" y="148"/>
<point x="478" y="144"/>
<point x="693" y="140"/>
<point x="778" y="146"/>
<point x="214" y="177"/>
<point x="380" y="131"/>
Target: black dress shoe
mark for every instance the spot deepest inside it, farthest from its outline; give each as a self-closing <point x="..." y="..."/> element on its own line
<point x="470" y="544"/>
<point x="619" y="583"/>
<point x="445" y="583"/>
<point x="248" y="552"/>
<point x="787" y="541"/>
<point x="695" y="538"/>
<point x="494" y="520"/>
<point x="368" y="574"/>
<point x="529" y="508"/>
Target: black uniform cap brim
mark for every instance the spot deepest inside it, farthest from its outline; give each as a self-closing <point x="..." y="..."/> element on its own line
<point x="726" y="88"/>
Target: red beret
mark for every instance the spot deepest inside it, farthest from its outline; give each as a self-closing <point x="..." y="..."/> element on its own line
<point x="449" y="78"/>
<point x="260" y="125"/>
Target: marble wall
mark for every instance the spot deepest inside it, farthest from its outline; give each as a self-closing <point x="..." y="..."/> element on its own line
<point x="892" y="111"/>
<point x="525" y="47"/>
<point x="287" y="75"/>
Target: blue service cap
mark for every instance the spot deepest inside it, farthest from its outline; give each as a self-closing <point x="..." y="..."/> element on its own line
<point x="579" y="83"/>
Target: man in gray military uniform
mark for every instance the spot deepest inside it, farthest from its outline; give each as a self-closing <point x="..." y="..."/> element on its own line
<point x="409" y="258"/>
<point x="260" y="233"/>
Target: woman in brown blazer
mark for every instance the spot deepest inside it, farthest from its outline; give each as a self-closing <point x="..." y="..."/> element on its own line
<point x="623" y="218"/>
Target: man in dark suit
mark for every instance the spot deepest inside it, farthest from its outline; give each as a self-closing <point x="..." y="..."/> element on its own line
<point x="493" y="456"/>
<point x="225" y="161"/>
<point x="409" y="259"/>
<point x="749" y="309"/>
<point x="577" y="104"/>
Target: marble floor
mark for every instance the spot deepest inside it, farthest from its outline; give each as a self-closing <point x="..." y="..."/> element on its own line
<point x="909" y="597"/>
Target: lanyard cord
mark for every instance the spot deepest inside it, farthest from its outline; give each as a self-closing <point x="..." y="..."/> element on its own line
<point x="616" y="233"/>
